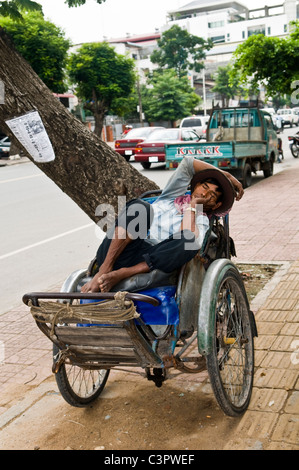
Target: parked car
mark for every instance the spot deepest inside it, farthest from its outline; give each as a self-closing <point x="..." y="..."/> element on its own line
<point x="4" y="147"/>
<point x="152" y="150"/>
<point x="289" y="117"/>
<point x="126" y="146"/>
<point x="197" y="123"/>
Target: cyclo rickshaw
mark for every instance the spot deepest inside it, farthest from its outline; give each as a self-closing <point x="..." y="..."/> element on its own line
<point x="194" y="319"/>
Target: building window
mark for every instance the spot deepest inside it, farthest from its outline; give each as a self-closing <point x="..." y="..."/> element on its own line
<point x="269" y="30"/>
<point x="228" y="37"/>
<point x="218" y="39"/>
<point x="243" y="34"/>
<point x="216" y="24"/>
<point x="285" y="28"/>
<point x="257" y="30"/>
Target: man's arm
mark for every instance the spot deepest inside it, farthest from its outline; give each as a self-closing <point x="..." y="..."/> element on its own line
<point x="199" y="165"/>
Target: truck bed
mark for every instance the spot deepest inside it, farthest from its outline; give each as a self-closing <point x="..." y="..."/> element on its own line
<point x="220" y="154"/>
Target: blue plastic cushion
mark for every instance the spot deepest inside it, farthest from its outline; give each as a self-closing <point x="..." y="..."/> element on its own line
<point x="167" y="313"/>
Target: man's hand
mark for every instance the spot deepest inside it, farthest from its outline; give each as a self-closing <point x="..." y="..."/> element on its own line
<point x="236" y="184"/>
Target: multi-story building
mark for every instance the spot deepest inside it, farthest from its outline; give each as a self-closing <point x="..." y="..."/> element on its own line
<point x="226" y="23"/>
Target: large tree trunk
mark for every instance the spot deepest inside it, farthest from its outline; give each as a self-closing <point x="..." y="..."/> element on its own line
<point x="85" y="167"/>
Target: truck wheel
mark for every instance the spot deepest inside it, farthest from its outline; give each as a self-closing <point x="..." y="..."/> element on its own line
<point x="269" y="171"/>
<point x="246" y="176"/>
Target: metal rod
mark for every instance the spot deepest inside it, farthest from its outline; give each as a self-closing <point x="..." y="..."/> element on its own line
<point x="34" y="296"/>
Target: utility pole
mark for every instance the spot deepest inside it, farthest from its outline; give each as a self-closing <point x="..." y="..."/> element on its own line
<point x="204" y="92"/>
<point x="139" y="108"/>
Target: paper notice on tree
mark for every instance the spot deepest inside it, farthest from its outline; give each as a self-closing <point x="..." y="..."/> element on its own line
<point x="31" y="133"/>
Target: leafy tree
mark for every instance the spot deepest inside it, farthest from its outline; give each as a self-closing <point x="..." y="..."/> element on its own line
<point x="169" y="97"/>
<point x="103" y="78"/>
<point x="43" y="45"/>
<point x="15" y="8"/>
<point x="181" y="51"/>
<point x="226" y="86"/>
<point x="85" y="168"/>
<point x="272" y="62"/>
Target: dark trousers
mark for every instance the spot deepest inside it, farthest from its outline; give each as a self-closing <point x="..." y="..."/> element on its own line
<point x="167" y="256"/>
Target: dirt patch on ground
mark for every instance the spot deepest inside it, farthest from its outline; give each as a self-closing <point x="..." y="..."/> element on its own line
<point x="256" y="276"/>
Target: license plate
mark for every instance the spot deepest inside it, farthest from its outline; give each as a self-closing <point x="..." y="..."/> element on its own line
<point x="128" y="152"/>
<point x="153" y="159"/>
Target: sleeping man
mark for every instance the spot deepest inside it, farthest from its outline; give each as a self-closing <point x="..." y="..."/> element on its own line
<point x="168" y="233"/>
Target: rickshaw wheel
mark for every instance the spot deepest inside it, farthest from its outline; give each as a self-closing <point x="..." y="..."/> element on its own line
<point x="79" y="386"/>
<point x="231" y="362"/>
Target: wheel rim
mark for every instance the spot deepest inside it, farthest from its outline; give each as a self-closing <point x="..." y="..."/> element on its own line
<point x="233" y="343"/>
<point x="84" y="383"/>
<point x="295" y="150"/>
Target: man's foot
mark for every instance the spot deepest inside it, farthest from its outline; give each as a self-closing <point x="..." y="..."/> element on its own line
<point x="94" y="284"/>
<point x="109" y="280"/>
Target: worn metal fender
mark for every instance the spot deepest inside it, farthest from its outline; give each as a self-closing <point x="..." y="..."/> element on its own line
<point x="71" y="283"/>
<point x="207" y="304"/>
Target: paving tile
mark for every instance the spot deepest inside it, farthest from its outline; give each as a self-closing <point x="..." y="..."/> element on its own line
<point x="269" y="328"/>
<point x="283" y="343"/>
<point x="278" y="360"/>
<point x="271" y="400"/>
<point x="275" y="378"/>
<point x="292" y="405"/>
<point x="257" y="423"/>
<point x="287" y="429"/>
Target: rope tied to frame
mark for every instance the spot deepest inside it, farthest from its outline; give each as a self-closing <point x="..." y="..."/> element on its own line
<point x="106" y="311"/>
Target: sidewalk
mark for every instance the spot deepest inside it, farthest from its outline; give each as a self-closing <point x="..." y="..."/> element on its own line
<point x="265" y="229"/>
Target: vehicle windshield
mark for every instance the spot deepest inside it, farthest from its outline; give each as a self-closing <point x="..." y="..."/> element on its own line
<point x="139" y="132"/>
<point x="192" y="123"/>
<point x="164" y="135"/>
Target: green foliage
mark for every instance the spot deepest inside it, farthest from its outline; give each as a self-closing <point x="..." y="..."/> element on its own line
<point x="270" y="61"/>
<point x="169" y="98"/>
<point x="78" y="3"/>
<point x="43" y="45"/>
<point x="104" y="79"/>
<point x="225" y="85"/>
<point x="14" y="9"/>
<point x="181" y="51"/>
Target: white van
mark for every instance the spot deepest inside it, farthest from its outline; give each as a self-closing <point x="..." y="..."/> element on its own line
<point x="289" y="117"/>
<point x="197" y="123"/>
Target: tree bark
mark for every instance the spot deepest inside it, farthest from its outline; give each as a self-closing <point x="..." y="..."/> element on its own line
<point x="85" y="167"/>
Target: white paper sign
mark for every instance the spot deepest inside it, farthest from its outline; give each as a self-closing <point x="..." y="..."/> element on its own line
<point x="31" y="133"/>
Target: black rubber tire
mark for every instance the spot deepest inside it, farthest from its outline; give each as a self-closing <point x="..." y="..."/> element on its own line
<point x="246" y="176"/>
<point x="269" y="171"/>
<point x="67" y="388"/>
<point x="231" y="362"/>
<point x="295" y="150"/>
<point x="146" y="165"/>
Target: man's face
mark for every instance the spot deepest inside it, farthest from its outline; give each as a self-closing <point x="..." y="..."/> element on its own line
<point x="208" y="192"/>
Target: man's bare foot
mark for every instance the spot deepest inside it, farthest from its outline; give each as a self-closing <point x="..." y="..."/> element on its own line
<point x="109" y="280"/>
<point x="93" y="285"/>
